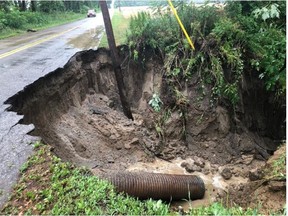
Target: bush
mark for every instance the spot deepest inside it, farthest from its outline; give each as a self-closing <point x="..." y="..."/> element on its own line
<point x="226" y="40"/>
<point x="35" y="18"/>
<point x="15" y="20"/>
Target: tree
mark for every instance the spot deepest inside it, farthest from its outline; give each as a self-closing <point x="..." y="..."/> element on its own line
<point x="33" y="6"/>
<point x="23" y="5"/>
<point x="50" y="6"/>
<point x="5" y="6"/>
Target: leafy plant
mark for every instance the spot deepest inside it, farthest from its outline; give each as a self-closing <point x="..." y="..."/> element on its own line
<point x="218" y="209"/>
<point x="242" y="36"/>
<point x="16" y="22"/>
<point x="155" y="102"/>
<point x="268" y="12"/>
<point x="279" y="167"/>
<point x="67" y="190"/>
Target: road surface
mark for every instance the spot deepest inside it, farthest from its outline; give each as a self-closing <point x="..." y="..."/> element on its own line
<point x="24" y="59"/>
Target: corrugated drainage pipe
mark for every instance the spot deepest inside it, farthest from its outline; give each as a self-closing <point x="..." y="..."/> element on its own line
<point x="159" y="186"/>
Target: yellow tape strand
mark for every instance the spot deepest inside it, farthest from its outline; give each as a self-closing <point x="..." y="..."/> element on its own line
<point x="181" y="25"/>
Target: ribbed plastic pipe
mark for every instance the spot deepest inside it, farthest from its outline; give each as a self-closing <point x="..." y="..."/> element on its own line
<point x="158" y="186"/>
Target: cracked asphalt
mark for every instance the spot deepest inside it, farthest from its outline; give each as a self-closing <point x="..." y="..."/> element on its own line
<point x="23" y="60"/>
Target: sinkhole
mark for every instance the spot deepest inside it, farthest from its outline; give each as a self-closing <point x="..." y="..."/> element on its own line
<point x="76" y="109"/>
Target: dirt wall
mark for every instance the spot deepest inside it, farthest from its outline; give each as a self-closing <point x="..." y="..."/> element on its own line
<point x="214" y="132"/>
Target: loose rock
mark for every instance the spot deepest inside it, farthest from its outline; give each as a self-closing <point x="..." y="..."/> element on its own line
<point x="277" y="186"/>
<point x="127" y="146"/>
<point x="255" y="174"/>
<point x="191" y="167"/>
<point x="199" y="162"/>
<point x="110" y="160"/>
<point x="134" y="141"/>
<point x="206" y="171"/>
<point x="226" y="173"/>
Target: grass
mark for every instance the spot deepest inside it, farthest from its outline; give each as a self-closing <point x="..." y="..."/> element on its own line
<point x="278" y="167"/>
<point x="219" y="209"/>
<point x="120" y="25"/>
<point x="50" y="186"/>
<point x="53" y="187"/>
<point x="37" y="22"/>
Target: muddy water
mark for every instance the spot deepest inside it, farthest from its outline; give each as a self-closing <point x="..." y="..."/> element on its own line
<point x="89" y="39"/>
<point x="214" y="183"/>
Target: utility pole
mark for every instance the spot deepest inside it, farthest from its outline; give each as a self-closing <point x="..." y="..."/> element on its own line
<point x="115" y="59"/>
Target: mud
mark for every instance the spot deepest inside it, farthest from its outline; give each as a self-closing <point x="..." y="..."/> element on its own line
<point x="76" y="109"/>
<point x="267" y="193"/>
<point x="88" y="40"/>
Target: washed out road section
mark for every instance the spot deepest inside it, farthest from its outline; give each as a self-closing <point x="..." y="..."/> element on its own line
<point x="23" y="60"/>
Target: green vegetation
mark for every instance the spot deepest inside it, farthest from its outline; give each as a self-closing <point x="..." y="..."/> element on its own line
<point x="279" y="167"/>
<point x="17" y="17"/>
<point x="15" y="23"/>
<point x="120" y="25"/>
<point x="243" y="37"/>
<point x="50" y="186"/>
<point x="132" y="3"/>
<point x="239" y="42"/>
<point x="277" y="171"/>
<point x="155" y="102"/>
<point x="219" y="209"/>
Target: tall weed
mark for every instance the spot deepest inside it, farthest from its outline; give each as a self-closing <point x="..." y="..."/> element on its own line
<point x="223" y="37"/>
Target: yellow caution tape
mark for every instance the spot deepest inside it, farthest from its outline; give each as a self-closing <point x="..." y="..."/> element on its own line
<point x="181" y="25"/>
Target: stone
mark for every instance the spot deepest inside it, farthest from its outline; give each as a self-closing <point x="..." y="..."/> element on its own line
<point x="276" y="186"/>
<point x="148" y="143"/>
<point x="247" y="159"/>
<point x="184" y="164"/>
<point x="127" y="146"/>
<point x="255" y="174"/>
<point x="199" y="162"/>
<point x="226" y="173"/>
<point x="191" y="167"/>
<point x="110" y="160"/>
<point x="112" y="137"/>
<point x="94" y="110"/>
<point x="181" y="210"/>
<point x="110" y="103"/>
<point x="240" y="187"/>
<point x="206" y="171"/>
<point x="134" y="141"/>
<point x="118" y="147"/>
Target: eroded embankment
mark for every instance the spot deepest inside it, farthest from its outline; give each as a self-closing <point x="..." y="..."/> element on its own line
<point x="76" y="109"/>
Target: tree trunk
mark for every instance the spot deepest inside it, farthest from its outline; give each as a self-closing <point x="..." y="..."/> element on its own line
<point x="19" y="5"/>
<point x="115" y="59"/>
<point x="33" y="5"/>
<point x="23" y="5"/>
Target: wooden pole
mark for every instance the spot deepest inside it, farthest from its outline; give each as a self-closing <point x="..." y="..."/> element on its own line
<point x="115" y="59"/>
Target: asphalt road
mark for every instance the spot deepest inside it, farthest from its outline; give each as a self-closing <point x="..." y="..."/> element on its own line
<point x="24" y="59"/>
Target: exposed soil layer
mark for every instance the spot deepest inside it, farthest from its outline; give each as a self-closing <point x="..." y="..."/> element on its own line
<point x="263" y="191"/>
<point x="76" y="109"/>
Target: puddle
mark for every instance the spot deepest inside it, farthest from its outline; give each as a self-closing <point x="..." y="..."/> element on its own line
<point x="88" y="40"/>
